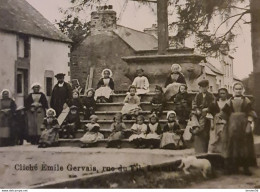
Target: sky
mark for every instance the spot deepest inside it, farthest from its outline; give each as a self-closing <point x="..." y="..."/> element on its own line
<point x="139" y="17"/>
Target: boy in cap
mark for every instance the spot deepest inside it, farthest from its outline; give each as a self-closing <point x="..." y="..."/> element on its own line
<point x="61" y="94"/>
<point x="200" y="111"/>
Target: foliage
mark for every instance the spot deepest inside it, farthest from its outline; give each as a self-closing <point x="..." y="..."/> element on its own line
<point x="194" y="17"/>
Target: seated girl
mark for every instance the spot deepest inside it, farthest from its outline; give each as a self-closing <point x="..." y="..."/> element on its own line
<point x="71" y="123"/>
<point x="76" y="101"/>
<point x="154" y="132"/>
<point x="141" y="82"/>
<point x="158" y="101"/>
<point x="131" y="106"/>
<point x="172" y="134"/>
<point x="174" y="80"/>
<point x="92" y="136"/>
<point x="182" y="104"/>
<point x="117" y="129"/>
<point x="50" y="130"/>
<point x="7" y="112"/>
<point x="139" y="130"/>
<point x="89" y="104"/>
<point x="105" y="87"/>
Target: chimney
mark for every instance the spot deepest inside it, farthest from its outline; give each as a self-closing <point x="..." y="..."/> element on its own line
<point x="152" y="31"/>
<point x="103" y="20"/>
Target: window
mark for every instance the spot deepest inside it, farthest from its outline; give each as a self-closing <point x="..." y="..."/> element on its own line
<point x="23" y="46"/>
<point x="19" y="83"/>
<point x="48" y="87"/>
<point x="211" y="88"/>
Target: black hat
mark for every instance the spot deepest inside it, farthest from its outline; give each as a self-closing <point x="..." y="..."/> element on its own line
<point x="203" y="83"/>
<point x="59" y="75"/>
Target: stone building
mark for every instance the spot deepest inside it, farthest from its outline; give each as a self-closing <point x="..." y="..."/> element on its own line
<point x="104" y="48"/>
<point x="31" y="49"/>
<point x="123" y="49"/>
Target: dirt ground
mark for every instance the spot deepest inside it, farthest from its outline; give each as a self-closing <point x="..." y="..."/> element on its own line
<point x="15" y="159"/>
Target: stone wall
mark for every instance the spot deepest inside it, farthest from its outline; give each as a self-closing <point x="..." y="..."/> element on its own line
<point x="101" y="51"/>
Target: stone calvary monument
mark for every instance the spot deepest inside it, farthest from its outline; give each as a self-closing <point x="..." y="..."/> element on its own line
<point x="123" y="49"/>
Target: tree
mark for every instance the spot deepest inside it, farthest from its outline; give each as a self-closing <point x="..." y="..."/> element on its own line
<point x="195" y="17"/>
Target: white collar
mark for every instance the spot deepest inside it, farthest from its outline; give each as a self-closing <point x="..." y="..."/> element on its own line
<point x="61" y="84"/>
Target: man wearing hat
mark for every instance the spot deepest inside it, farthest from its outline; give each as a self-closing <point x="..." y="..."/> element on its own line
<point x="61" y="94"/>
<point x="201" y="111"/>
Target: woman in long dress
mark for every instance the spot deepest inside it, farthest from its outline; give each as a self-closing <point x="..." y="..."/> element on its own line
<point x="50" y="130"/>
<point x="36" y="105"/>
<point x="219" y="124"/>
<point x="173" y="82"/>
<point x="238" y="147"/>
<point x="7" y="112"/>
<point x="105" y="87"/>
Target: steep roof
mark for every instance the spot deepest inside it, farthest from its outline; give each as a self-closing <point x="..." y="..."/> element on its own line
<point x="20" y="17"/>
<point x="138" y="40"/>
<point x="214" y="69"/>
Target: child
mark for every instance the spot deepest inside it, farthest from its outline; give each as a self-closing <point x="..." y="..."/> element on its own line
<point x="89" y="104"/>
<point x="71" y="123"/>
<point x="105" y="87"/>
<point x="182" y="104"/>
<point x="200" y="113"/>
<point x="7" y="112"/>
<point x="131" y="106"/>
<point x="117" y="129"/>
<point x="76" y="101"/>
<point x="50" y="130"/>
<point x="139" y="132"/>
<point x="154" y="132"/>
<point x="141" y="82"/>
<point x="158" y="101"/>
<point x="171" y="132"/>
<point x="92" y="135"/>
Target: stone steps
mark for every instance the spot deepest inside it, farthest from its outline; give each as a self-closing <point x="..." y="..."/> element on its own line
<point x="108" y="115"/>
<point x="146" y="106"/>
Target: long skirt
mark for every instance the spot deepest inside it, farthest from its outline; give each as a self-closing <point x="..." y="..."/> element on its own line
<point x="5" y="128"/>
<point x="103" y="92"/>
<point x="216" y="135"/>
<point x="34" y="122"/>
<point x="201" y="139"/>
<point x="49" y="136"/>
<point x="142" y="91"/>
<point x="91" y="137"/>
<point x="115" y="136"/>
<point x="130" y="109"/>
<point x="239" y="145"/>
<point x="137" y="136"/>
<point x="170" y="139"/>
<point x="171" y="90"/>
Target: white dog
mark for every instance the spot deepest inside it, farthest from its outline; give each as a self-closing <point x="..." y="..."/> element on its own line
<point x="192" y="162"/>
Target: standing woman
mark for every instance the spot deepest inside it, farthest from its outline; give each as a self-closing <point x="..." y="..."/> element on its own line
<point x="174" y="80"/>
<point x="239" y="150"/>
<point x="7" y="111"/>
<point x="218" y="130"/>
<point x="36" y="105"/>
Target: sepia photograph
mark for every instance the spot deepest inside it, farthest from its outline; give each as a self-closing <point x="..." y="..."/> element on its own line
<point x="129" y="94"/>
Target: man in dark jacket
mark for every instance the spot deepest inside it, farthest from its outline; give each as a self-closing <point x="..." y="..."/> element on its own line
<point x="61" y="94"/>
<point x="201" y="110"/>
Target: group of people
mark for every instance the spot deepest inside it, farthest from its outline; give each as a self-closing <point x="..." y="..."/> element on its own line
<point x="219" y="125"/>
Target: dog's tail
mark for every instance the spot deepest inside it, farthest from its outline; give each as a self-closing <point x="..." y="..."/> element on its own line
<point x="181" y="165"/>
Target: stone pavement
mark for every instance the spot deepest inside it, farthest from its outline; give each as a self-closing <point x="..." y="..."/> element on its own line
<point x="18" y="163"/>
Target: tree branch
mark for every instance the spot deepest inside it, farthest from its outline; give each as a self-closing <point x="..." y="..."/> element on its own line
<point x="241" y="15"/>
